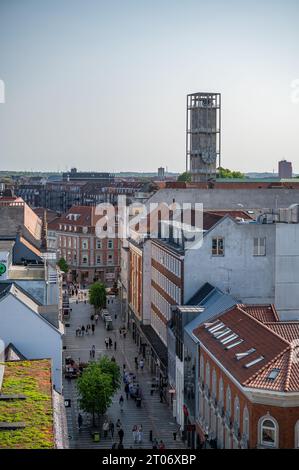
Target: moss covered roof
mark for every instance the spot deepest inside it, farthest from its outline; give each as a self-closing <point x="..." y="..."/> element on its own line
<point x="32" y="379"/>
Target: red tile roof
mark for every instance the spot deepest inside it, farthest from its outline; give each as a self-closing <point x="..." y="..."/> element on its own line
<point x="287" y="330"/>
<point x="263" y="313"/>
<point x="273" y="343"/>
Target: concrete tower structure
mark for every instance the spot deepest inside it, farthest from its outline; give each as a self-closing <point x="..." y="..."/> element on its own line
<point x="203" y="138"/>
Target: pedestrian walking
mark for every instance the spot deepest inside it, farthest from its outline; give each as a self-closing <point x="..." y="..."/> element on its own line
<point x="111" y="428"/>
<point x="110" y="343"/>
<point x="127" y="391"/>
<point x="161" y="445"/>
<point x="87" y="330"/>
<point x="93" y="351"/>
<point x="140" y="434"/>
<point x="80" y="421"/>
<point x="114" y="345"/>
<point x="82" y="330"/>
<point x="92" y="317"/>
<point x="106" y="428"/>
<point x="134" y="433"/>
<point x="125" y="334"/>
<point x="118" y="425"/>
<point x="92" y="328"/>
<point x="141" y="364"/>
<point x="121" y="435"/>
<point x="161" y="395"/>
<point x="96" y="317"/>
<point x="107" y="342"/>
<point x="121" y="402"/>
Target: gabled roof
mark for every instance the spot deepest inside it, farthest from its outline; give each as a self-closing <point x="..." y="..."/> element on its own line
<point x="257" y="356"/>
<point x="11" y="353"/>
<point x="263" y="313"/>
<point x="23" y="296"/>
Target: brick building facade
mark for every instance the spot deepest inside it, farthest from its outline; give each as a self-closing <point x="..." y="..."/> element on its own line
<point x="89" y="258"/>
<point x="248" y="381"/>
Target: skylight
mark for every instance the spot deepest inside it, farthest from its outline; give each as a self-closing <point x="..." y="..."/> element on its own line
<point x="229" y="338"/>
<point x="273" y="374"/>
<point x="219" y="334"/>
<point x="211" y="325"/>
<point x="240" y="356"/>
<point x="255" y="361"/>
<point x="217" y="327"/>
<point x="230" y="346"/>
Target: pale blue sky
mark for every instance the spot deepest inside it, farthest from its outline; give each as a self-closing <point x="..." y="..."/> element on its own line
<point x="102" y="85"/>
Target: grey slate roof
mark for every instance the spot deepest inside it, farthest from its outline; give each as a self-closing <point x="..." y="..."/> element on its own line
<point x="215" y="304"/>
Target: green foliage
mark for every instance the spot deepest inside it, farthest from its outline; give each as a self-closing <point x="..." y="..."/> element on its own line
<point x="227" y="173"/>
<point x="185" y="177"/>
<point x="107" y="366"/>
<point x="96" y="389"/>
<point x="32" y="380"/>
<point x="97" y="295"/>
<point x="63" y="265"/>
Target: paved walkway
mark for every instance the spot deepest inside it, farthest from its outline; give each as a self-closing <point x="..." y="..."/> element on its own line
<point x="153" y="415"/>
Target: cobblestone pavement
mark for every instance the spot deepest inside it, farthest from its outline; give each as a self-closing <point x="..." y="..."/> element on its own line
<point x="153" y="415"/>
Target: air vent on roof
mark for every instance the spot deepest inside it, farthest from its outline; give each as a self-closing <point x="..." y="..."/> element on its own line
<point x="240" y="356"/>
<point x="255" y="361"/>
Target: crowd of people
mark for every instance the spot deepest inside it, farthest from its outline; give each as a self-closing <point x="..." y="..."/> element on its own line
<point x="131" y="387"/>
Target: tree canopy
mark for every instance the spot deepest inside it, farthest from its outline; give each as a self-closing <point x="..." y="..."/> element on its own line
<point x="97" y="385"/>
<point x="227" y="173"/>
<point x="185" y="177"/>
<point x="97" y="295"/>
<point x="63" y="265"/>
<point x="110" y="367"/>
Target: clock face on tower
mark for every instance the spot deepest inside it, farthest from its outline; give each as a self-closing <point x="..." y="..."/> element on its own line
<point x="2" y="269"/>
<point x="208" y="156"/>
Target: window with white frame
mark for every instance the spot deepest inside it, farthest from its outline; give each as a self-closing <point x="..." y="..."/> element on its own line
<point x="268" y="432"/>
<point x="259" y="246"/>
<point x="218" y="246"/>
<point x="84" y="244"/>
<point x="245" y="434"/>
<point x="110" y="244"/>
<point x="221" y="393"/>
<point x="214" y="384"/>
<point x="84" y="259"/>
<point x="207" y="376"/>
<point x="98" y="259"/>
<point x="202" y="368"/>
<point x="297" y="435"/>
<point x="228" y="407"/>
<point x="99" y="244"/>
<point x="236" y="415"/>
